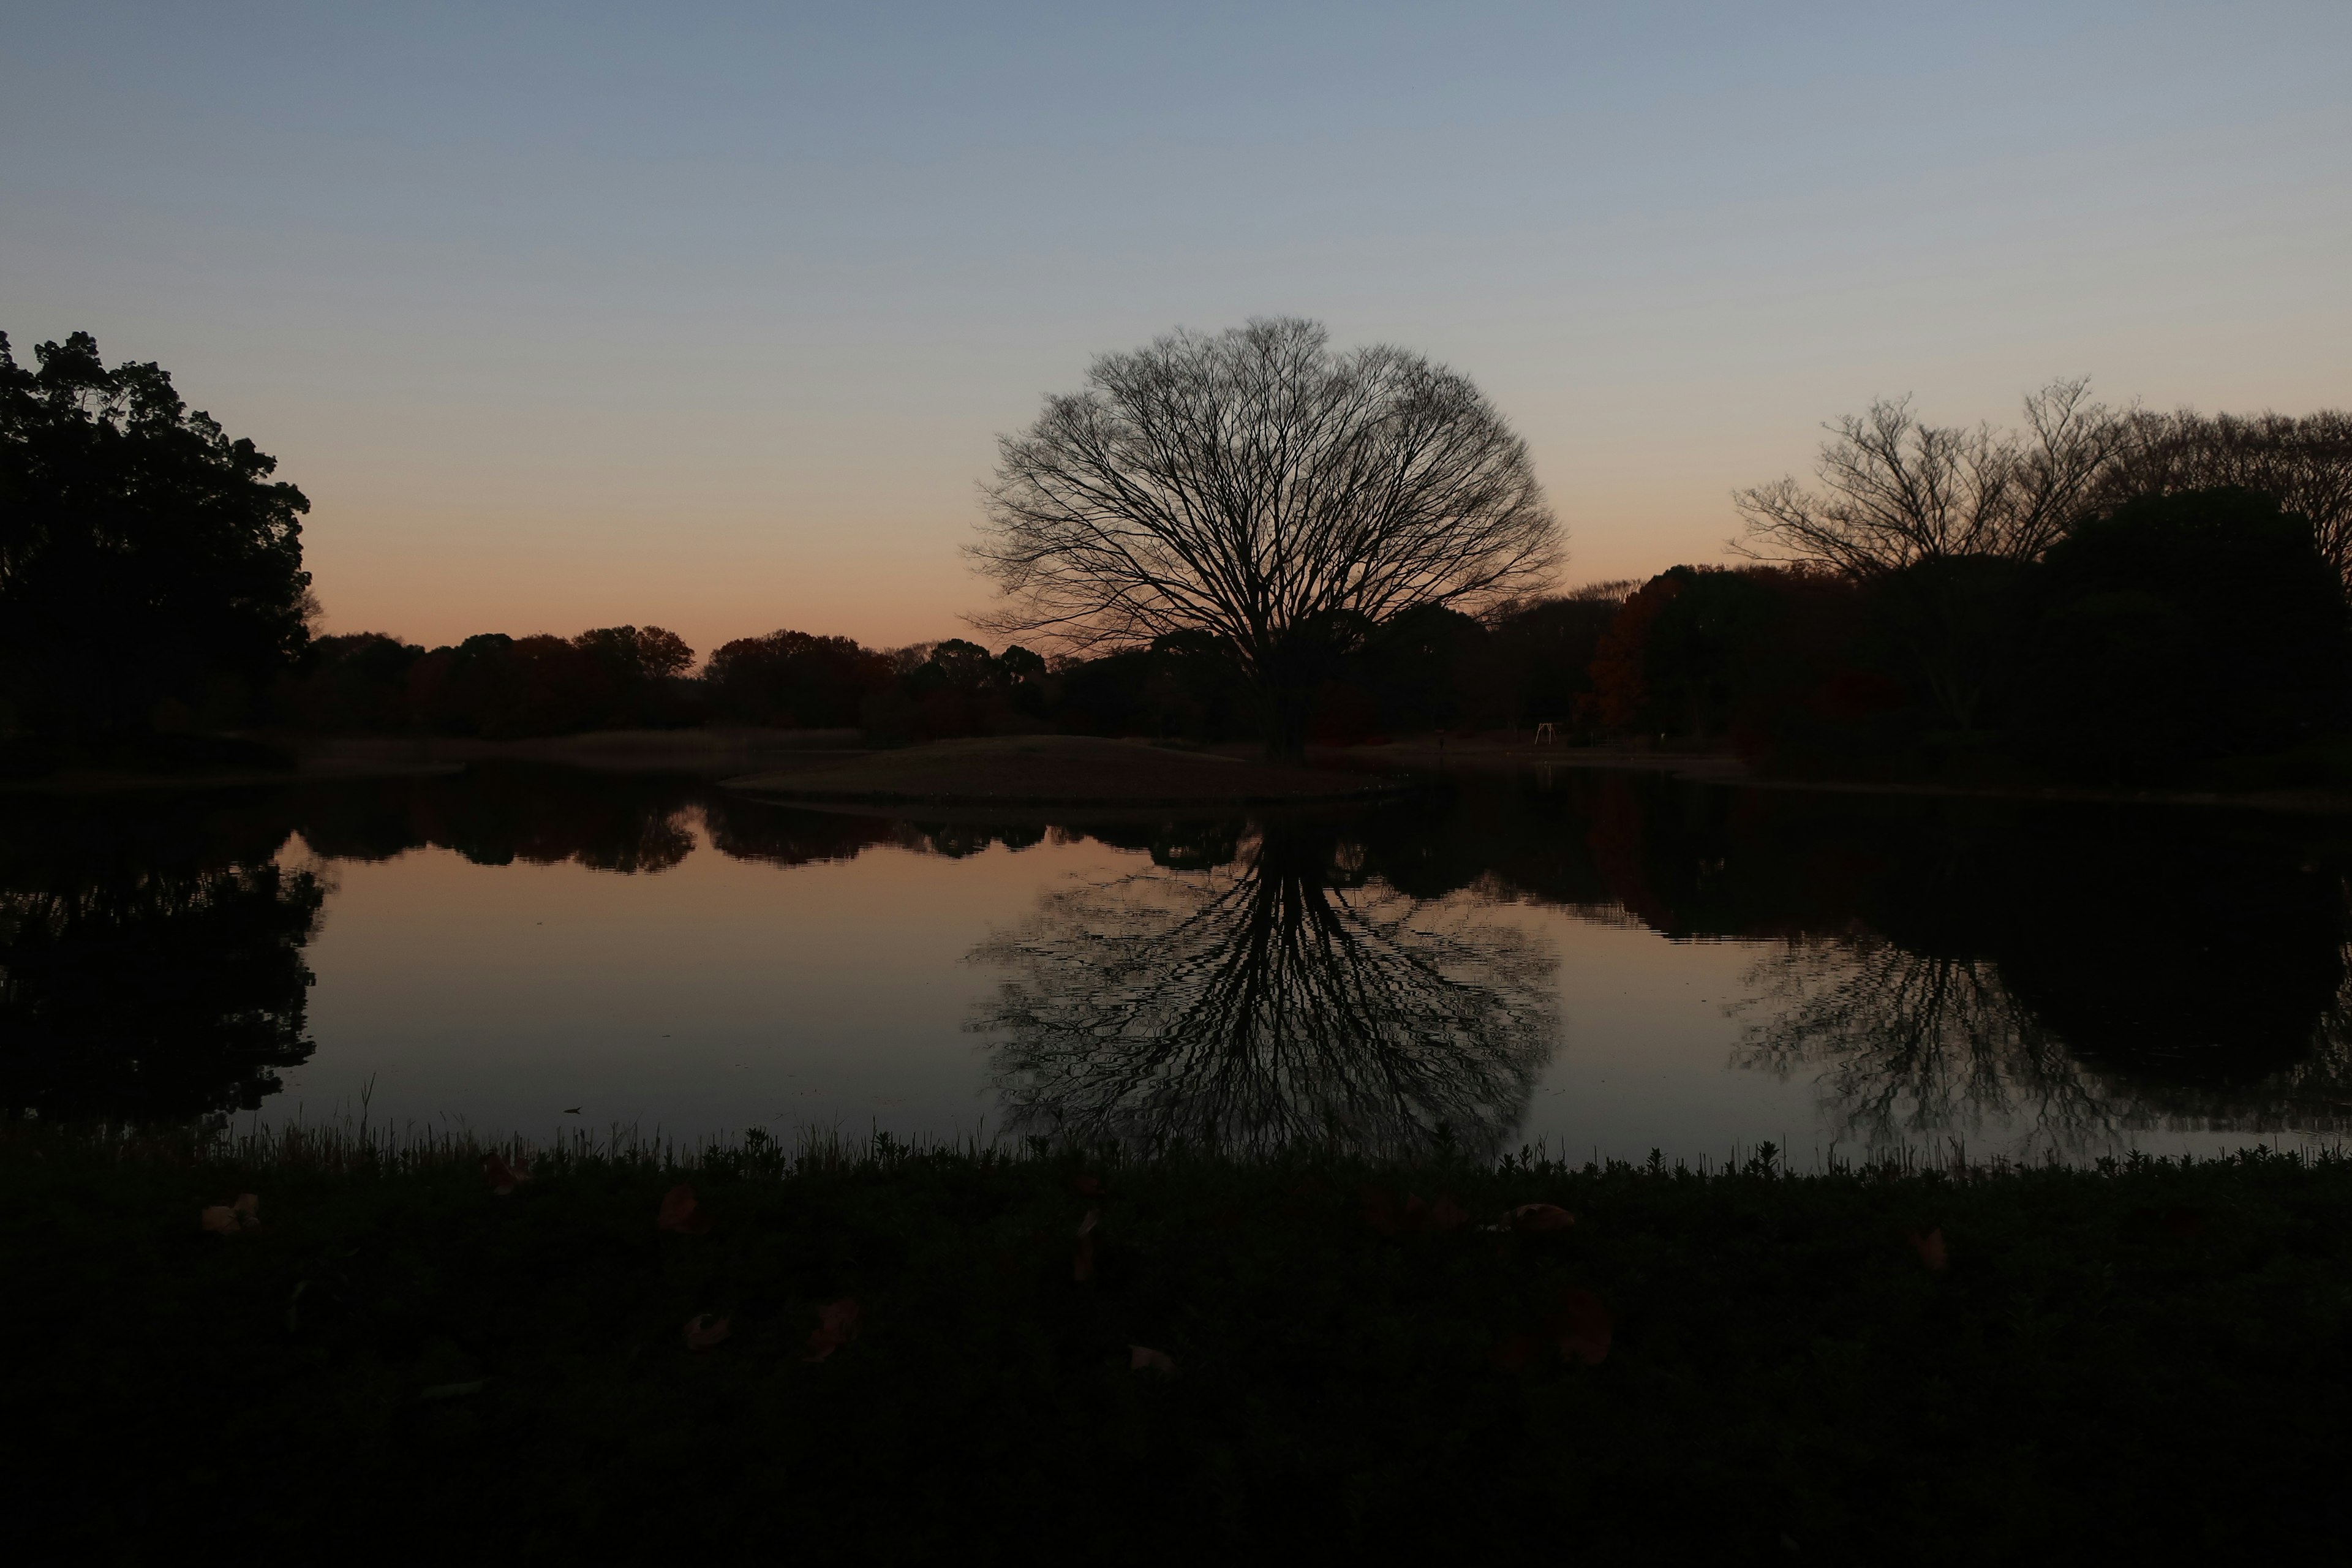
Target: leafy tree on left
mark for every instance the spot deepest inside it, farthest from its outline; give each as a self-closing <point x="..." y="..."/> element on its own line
<point x="149" y="566"/>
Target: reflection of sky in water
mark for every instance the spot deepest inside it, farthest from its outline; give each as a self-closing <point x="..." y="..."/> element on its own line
<point x="1892" y="973"/>
<point x="726" y="994"/>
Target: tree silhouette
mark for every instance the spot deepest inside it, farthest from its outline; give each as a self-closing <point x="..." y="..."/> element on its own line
<point x="146" y="560"/>
<point x="2305" y="461"/>
<point x="1254" y="486"/>
<point x="1282" y="996"/>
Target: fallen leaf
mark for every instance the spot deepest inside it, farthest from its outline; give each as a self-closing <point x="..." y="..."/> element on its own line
<point x="1447" y="1215"/>
<point x="703" y="1330"/>
<point x="1540" y="1217"/>
<point x="1929" y="1245"/>
<point x="1141" y="1358"/>
<point x="837" y="1326"/>
<point x="679" y="1212"/>
<point x="1584" y="1329"/>
<point x="232" y="1219"/>
<point x="504" y="1178"/>
<point x="1517" y="1353"/>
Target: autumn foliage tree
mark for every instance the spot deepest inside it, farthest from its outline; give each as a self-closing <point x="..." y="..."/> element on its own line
<point x="494" y="686"/>
<point x="793" y="678"/>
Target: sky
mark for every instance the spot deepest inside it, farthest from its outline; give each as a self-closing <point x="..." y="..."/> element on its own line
<point x="708" y="316"/>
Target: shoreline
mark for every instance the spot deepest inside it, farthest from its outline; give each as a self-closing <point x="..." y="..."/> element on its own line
<point x="746" y="760"/>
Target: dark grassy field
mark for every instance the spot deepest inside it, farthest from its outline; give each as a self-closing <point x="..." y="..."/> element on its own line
<point x="1381" y="1361"/>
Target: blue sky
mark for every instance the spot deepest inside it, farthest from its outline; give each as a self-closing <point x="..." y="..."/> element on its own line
<point x="709" y="315"/>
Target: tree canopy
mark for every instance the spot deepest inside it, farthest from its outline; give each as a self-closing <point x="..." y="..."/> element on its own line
<point x="146" y="559"/>
<point x="1256" y="486"/>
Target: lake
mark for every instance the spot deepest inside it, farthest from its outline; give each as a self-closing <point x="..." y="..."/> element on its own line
<point x="1599" y="962"/>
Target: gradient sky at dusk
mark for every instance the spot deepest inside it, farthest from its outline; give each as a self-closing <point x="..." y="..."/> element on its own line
<point x="709" y="315"/>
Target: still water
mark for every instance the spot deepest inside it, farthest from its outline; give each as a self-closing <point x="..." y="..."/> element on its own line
<point x="1599" y="962"/>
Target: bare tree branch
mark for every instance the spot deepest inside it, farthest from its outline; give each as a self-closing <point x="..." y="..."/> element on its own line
<point x="1897" y="490"/>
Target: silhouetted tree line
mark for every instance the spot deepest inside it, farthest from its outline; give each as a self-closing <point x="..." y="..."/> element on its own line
<point x="2096" y="594"/>
<point x="2202" y="635"/>
<point x="2167" y="637"/>
<point x="493" y="687"/>
<point x="2115" y="597"/>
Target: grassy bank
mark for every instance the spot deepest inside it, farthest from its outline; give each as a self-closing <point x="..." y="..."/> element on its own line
<point x="1863" y="1364"/>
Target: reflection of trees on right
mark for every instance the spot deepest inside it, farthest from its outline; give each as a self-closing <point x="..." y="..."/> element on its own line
<point x="2076" y="991"/>
<point x="2061" y="975"/>
<point x="1281" y="994"/>
<point x="1914" y="1045"/>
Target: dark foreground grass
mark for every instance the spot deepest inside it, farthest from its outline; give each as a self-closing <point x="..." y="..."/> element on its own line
<point x="2150" y="1357"/>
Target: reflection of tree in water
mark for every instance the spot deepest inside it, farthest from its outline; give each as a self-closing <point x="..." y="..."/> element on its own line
<point x="746" y="828"/>
<point x="1913" y="1046"/>
<point x="1280" y="995"/>
<point x="497" y="813"/>
<point x="155" y="994"/>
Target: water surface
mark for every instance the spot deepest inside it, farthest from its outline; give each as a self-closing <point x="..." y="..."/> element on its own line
<point x="1599" y="962"/>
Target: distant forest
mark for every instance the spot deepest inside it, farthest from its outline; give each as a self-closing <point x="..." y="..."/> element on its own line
<point x="2197" y="634"/>
<point x="2102" y="596"/>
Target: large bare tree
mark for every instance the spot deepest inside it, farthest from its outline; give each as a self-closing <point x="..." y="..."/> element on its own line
<point x="1258" y="487"/>
<point x="1895" y="490"/>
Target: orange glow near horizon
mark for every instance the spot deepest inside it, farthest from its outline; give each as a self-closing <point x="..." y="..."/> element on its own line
<point x="570" y="319"/>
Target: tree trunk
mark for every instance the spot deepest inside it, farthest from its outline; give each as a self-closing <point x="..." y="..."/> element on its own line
<point x="1288" y="708"/>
